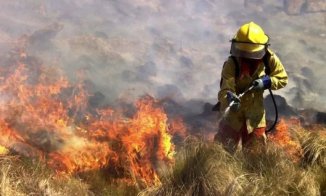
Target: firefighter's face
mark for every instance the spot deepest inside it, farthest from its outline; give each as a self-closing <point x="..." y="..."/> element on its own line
<point x="250" y="62"/>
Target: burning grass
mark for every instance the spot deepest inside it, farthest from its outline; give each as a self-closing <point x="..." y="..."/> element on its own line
<point x="44" y="116"/>
<point x="200" y="168"/>
<point x="25" y="176"/>
<point x="204" y="168"/>
<point x="93" y="150"/>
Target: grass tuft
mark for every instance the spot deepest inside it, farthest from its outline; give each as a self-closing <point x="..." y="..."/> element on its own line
<point x="204" y="168"/>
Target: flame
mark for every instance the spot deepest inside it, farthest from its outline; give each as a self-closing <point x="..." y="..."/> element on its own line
<point x="178" y="127"/>
<point x="43" y="115"/>
<point x="282" y="137"/>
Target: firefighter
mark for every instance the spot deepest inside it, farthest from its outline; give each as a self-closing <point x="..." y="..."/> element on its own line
<point x="251" y="62"/>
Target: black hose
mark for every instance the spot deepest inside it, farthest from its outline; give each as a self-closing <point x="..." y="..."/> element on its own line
<point x="276" y="113"/>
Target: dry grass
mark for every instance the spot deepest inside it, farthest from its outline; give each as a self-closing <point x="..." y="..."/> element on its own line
<point x="201" y="168"/>
<point x="206" y="169"/>
<point x="20" y="176"/>
<point x="314" y="148"/>
<point x="23" y="176"/>
<point x="314" y="154"/>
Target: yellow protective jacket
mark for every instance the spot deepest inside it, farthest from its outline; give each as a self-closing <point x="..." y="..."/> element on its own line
<point x="252" y="110"/>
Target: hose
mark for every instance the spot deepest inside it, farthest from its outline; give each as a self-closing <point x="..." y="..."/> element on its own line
<point x="276" y="113"/>
<point x="274" y="102"/>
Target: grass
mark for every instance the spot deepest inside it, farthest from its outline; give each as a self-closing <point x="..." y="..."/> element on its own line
<point x="204" y="168"/>
<point x="201" y="168"/>
<point x="23" y="176"/>
<point x="314" y="154"/>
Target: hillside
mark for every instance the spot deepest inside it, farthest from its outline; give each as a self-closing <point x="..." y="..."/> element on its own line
<point x="105" y="97"/>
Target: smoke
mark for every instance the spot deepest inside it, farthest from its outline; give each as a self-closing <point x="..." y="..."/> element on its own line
<point x="165" y="48"/>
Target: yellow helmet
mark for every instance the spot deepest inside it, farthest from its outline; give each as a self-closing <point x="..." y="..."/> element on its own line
<point x="249" y="42"/>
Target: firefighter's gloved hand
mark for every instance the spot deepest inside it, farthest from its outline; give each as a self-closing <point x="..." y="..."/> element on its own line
<point x="234" y="100"/>
<point x="262" y="83"/>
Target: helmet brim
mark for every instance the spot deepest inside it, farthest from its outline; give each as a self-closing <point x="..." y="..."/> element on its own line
<point x="250" y="51"/>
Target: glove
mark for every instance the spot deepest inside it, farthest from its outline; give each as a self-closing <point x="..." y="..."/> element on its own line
<point x="262" y="83"/>
<point x="231" y="97"/>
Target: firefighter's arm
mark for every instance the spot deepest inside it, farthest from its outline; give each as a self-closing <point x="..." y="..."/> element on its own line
<point x="278" y="75"/>
<point x="227" y="83"/>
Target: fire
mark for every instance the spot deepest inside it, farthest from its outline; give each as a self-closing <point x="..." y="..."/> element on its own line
<point x="178" y="127"/>
<point x="144" y="139"/>
<point x="43" y="115"/>
<point x="281" y="136"/>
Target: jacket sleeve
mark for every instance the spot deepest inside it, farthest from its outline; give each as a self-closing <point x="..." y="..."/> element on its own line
<point x="227" y="82"/>
<point x="278" y="75"/>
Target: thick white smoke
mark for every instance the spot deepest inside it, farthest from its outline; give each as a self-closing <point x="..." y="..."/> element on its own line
<point x="166" y="48"/>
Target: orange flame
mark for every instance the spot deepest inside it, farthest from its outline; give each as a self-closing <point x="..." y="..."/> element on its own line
<point x="49" y="117"/>
<point x="178" y="127"/>
<point x="282" y="137"/>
